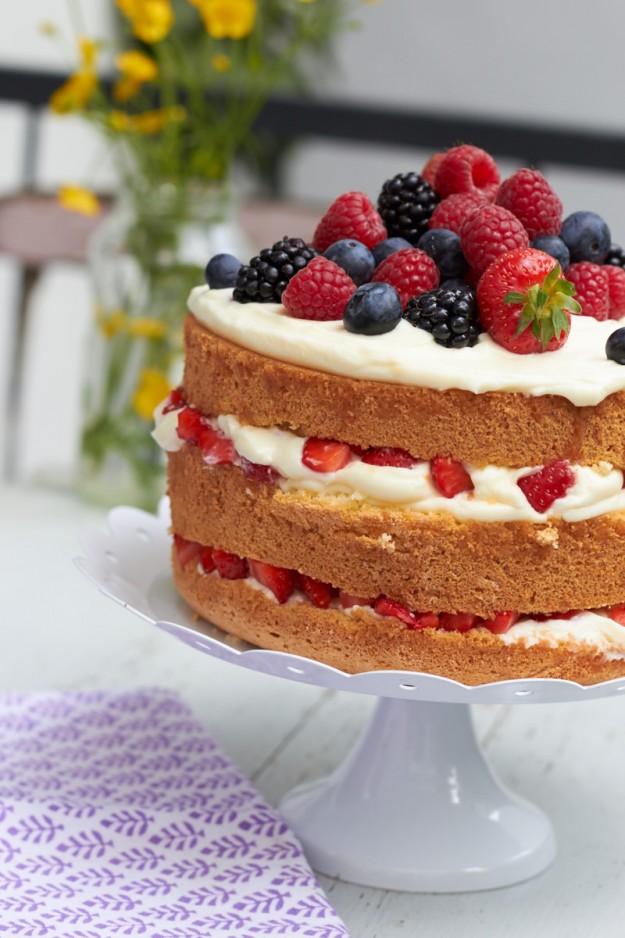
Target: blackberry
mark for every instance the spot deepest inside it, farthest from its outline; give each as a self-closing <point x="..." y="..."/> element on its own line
<point x="264" y="279"/>
<point x="615" y="256"/>
<point x="450" y="315"/>
<point x="405" y="204"/>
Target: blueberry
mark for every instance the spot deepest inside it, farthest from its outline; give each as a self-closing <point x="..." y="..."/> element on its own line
<point x="553" y="245"/>
<point x="615" y="347"/>
<point x="587" y="237"/>
<point x="354" y="257"/>
<point x="221" y="271"/>
<point x="373" y="309"/>
<point x="384" y="249"/>
<point x="443" y="246"/>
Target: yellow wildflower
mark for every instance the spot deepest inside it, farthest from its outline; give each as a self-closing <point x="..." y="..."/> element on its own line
<point x="153" y="387"/>
<point x="112" y="324"/>
<point x="136" y="69"/>
<point x="150" y="20"/>
<point x="149" y="122"/>
<point x="227" y="19"/>
<point x="142" y="327"/>
<point x="78" y="199"/>
<point x="221" y="63"/>
<point x="48" y="28"/>
<point x="76" y="92"/>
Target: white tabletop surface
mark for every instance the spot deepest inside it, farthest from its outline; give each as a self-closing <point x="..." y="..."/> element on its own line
<point x="59" y="632"/>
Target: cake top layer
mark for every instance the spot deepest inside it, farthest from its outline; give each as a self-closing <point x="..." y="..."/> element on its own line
<point x="579" y="371"/>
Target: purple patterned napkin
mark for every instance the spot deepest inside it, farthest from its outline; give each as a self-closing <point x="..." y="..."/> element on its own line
<point x="119" y="815"/>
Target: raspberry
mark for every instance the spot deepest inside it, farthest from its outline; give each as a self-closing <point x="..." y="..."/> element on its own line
<point x="430" y="169"/>
<point x="410" y="271"/>
<point x="528" y="195"/>
<point x="616" y="290"/>
<point x="452" y="211"/>
<point x="543" y="487"/>
<point x="592" y="289"/>
<point x="467" y="169"/>
<point x="489" y="232"/>
<point x="319" y="291"/>
<point x="450" y="477"/>
<point x="352" y="215"/>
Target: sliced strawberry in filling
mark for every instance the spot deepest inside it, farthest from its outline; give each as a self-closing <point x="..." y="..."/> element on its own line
<point x="458" y="621"/>
<point x="217" y="449"/>
<point x="320" y="594"/>
<point x="256" y="472"/>
<point x="186" y="551"/>
<point x="617" y="613"/>
<point x="230" y="566"/>
<point x="280" y="580"/>
<point x="501" y="622"/>
<point x="206" y="559"/>
<point x="174" y="401"/>
<point x="450" y="477"/>
<point x="543" y="487"/>
<point x="348" y="600"/>
<point x="390" y="456"/>
<point x="190" y="425"/>
<point x="325" y="455"/>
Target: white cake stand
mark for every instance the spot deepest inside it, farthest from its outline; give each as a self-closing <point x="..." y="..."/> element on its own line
<point x="414" y="806"/>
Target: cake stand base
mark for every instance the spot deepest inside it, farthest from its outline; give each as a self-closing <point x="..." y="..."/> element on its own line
<point x="415" y="807"/>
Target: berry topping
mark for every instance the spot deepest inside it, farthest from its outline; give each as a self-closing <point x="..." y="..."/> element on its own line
<point x="325" y="455"/>
<point x="217" y="449"/>
<point x="264" y="279"/>
<point x="348" y="600"/>
<point x="443" y="246"/>
<point x="186" y="551"/>
<point x="222" y="271"/>
<point x="544" y="486"/>
<point x="615" y="347"/>
<point x="458" y="621"/>
<point x="373" y="309"/>
<point x="587" y="237"/>
<point x="230" y="566"/>
<point x="320" y="594"/>
<point x="501" y="622"/>
<point x="320" y="291"/>
<point x="616" y="290"/>
<point x="352" y="215"/>
<point x="450" y="477"/>
<point x="354" y="257"/>
<point x="430" y="169"/>
<point x="615" y="256"/>
<point x="528" y="195"/>
<point x="281" y="581"/>
<point x="525" y="304"/>
<point x="206" y="559"/>
<point x="452" y="212"/>
<point x="405" y="204"/>
<point x="450" y="315"/>
<point x="190" y="425"/>
<point x="591" y="288"/>
<point x="387" y="247"/>
<point x="555" y="247"/>
<point x="467" y="169"/>
<point x="390" y="456"/>
<point x="410" y="271"/>
<point x="488" y="232"/>
<point x="256" y="472"/>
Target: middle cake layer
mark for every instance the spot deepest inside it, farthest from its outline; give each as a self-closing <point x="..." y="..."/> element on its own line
<point x="432" y="562"/>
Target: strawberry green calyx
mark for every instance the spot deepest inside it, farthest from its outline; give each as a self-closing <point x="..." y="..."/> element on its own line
<point x="544" y="307"/>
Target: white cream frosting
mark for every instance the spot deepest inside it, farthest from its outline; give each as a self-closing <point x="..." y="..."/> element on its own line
<point x="588" y="631"/>
<point x="496" y="497"/>
<point x="578" y="371"/>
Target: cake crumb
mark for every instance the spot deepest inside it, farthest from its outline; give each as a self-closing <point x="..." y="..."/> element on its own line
<point x="548" y="536"/>
<point x="386" y="542"/>
<point x="603" y="468"/>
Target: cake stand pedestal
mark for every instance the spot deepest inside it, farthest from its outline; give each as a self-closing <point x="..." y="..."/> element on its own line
<point x="414" y="806"/>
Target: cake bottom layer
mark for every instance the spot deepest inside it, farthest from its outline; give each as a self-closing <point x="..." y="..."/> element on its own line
<point x="362" y="641"/>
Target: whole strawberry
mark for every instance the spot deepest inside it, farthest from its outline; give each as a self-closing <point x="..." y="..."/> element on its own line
<point x="467" y="169"/>
<point x="411" y="271"/>
<point x="524" y="302"/>
<point x="592" y="288"/>
<point x="453" y="211"/>
<point x="319" y="291"/>
<point x="528" y="195"/>
<point x="352" y="215"/>
<point x="488" y="232"/>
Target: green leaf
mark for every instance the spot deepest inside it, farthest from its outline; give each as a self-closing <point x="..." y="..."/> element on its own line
<point x="566" y="287"/>
<point x="571" y="304"/>
<point x="552" y="278"/>
<point x="541" y="298"/>
<point x="526" y="319"/>
<point x="560" y="323"/>
<point x="514" y="297"/>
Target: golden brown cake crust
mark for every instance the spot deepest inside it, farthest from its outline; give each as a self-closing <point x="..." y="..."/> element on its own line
<point x="427" y="561"/>
<point x="497" y="428"/>
<point x="362" y="641"/>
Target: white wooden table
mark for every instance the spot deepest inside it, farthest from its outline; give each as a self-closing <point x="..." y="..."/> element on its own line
<point x="59" y="632"/>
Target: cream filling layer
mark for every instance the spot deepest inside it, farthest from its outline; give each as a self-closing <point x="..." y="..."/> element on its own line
<point x="579" y="371"/>
<point x="496" y="497"/>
